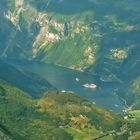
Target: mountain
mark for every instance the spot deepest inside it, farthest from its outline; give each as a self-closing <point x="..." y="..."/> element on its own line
<point x="54" y="31"/>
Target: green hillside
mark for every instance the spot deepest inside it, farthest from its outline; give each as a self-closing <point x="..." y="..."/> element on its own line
<point x="60" y="116"/>
<point x="19" y="114"/>
<point x="55" y="115"/>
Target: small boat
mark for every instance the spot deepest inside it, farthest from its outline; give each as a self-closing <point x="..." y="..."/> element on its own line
<point x="77" y="79"/>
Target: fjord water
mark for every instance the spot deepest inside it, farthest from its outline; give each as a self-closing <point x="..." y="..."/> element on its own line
<point x="64" y="79"/>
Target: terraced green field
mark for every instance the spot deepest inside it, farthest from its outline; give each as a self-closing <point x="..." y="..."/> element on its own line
<point x="136" y="113"/>
<point x="84" y="134"/>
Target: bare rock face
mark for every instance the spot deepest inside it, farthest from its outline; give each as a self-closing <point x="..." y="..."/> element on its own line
<point x="33" y="32"/>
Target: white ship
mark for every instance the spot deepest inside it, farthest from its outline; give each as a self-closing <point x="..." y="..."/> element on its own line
<point x="63" y="91"/>
<point x="93" y="86"/>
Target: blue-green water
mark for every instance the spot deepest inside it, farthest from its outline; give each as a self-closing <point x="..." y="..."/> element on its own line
<point x="65" y="79"/>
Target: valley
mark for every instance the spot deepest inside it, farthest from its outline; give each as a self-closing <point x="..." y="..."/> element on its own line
<point x="69" y="70"/>
<point x="103" y="96"/>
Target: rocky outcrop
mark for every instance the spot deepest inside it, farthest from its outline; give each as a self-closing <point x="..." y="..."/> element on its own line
<point x="3" y="136"/>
